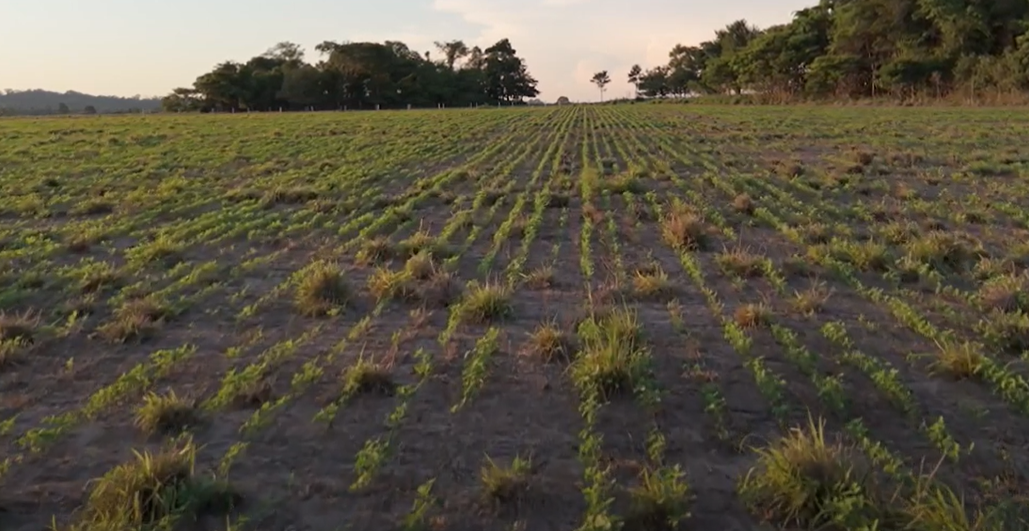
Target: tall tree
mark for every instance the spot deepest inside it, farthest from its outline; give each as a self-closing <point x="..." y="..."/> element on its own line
<point x="634" y="78"/>
<point x="601" y="80"/>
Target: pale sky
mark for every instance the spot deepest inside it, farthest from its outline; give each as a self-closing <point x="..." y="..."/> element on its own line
<point x="148" y="47"/>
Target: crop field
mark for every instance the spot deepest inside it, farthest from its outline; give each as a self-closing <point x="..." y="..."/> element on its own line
<point x="564" y="318"/>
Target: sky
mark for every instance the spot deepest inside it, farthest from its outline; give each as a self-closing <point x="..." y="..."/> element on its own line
<point x="149" y="47"/>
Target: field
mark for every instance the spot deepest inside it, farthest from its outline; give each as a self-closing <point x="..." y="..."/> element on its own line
<point x="563" y="318"/>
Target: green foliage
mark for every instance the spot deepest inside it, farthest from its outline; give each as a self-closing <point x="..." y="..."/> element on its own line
<point x="862" y="48"/>
<point x="360" y="75"/>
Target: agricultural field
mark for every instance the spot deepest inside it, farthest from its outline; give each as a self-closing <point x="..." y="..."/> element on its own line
<point x="566" y="318"/>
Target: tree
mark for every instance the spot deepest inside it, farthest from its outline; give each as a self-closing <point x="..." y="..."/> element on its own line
<point x="89" y="109"/>
<point x="62" y="108"/>
<point x="601" y="80"/>
<point x="360" y="75"/>
<point x="563" y="100"/>
<point x="634" y="77"/>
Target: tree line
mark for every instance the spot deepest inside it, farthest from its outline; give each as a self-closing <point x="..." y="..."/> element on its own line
<point x="361" y="75"/>
<point x="855" y="49"/>
<point x="42" y="102"/>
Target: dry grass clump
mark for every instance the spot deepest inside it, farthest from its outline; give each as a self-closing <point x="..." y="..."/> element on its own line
<point x="368" y="377"/>
<point x="152" y="490"/>
<point x="320" y="289"/>
<point x="540" y="278"/>
<point x="684" y="229"/>
<point x="741" y="262"/>
<point x="166" y="413"/>
<point x="811" y="300"/>
<point x="375" y="251"/>
<point x="652" y="284"/>
<point x="484" y="303"/>
<point x="752" y="315"/>
<point x="962" y="361"/>
<point x="1007" y="293"/>
<point x="135" y="319"/>
<point x="743" y="204"/>
<point x="18" y="327"/>
<point x="558" y="200"/>
<point x="549" y="343"/>
<point x="98" y="275"/>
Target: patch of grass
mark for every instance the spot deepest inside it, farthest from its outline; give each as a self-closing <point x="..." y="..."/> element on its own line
<point x="11" y="351"/>
<point x="161" y="250"/>
<point x="612" y="357"/>
<point x="652" y="284"/>
<point x="152" y="489"/>
<point x="540" y="278"/>
<point x="684" y="229"/>
<point x="806" y="481"/>
<point x="661" y="500"/>
<point x="1008" y="332"/>
<point x="811" y="300"/>
<point x="743" y="204"/>
<point x="168" y="413"/>
<point x="943" y="251"/>
<point x="1007" y="293"/>
<point x="320" y="288"/>
<point x="135" y="319"/>
<point x="958" y="360"/>
<point x="375" y="251"/>
<point x="484" y="303"/>
<point x="421" y="242"/>
<point x="366" y="377"/>
<point x="548" y="343"/>
<point x="752" y="315"/>
<point x="624" y="182"/>
<point x="386" y="284"/>
<point x="506" y="484"/>
<point x="93" y="207"/>
<point x="97" y="276"/>
<point x="741" y="263"/>
<point x="18" y="327"/>
<point x="421" y="266"/>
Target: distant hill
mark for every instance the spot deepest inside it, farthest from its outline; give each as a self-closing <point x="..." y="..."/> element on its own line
<point x="39" y="101"/>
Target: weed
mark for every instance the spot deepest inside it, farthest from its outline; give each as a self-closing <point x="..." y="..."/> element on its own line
<point x="652" y="284"/>
<point x="18" y="328"/>
<point x="548" y="343"/>
<point x="811" y="300"/>
<point x="661" y="500"/>
<point x="506" y="483"/>
<point x="741" y="263"/>
<point x="540" y="278"/>
<point x="803" y="479"/>
<point x="612" y="357"/>
<point x="365" y="376"/>
<point x="743" y="204"/>
<point x="684" y="229"/>
<point x="320" y="288"/>
<point x="167" y="413"/>
<point x="751" y="315"/>
<point x="484" y="303"/>
<point x="153" y="488"/>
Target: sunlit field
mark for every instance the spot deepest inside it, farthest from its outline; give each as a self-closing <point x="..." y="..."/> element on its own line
<point x="563" y="318"/>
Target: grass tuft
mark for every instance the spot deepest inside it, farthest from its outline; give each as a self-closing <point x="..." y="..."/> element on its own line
<point x="743" y="204"/>
<point x="752" y="315"/>
<point x="612" y="358"/>
<point x="806" y="481"/>
<point x="167" y="413"/>
<point x="320" y="288"/>
<point x="484" y="303"/>
<point x="652" y="284"/>
<point x="661" y="500"/>
<point x="741" y="263"/>
<point x="506" y="484"/>
<point x="961" y="361"/>
<point x="367" y="377"/>
<point x="548" y="343"/>
<point x="153" y="489"/>
<point x="19" y="328"/>
<point x="684" y="229"/>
